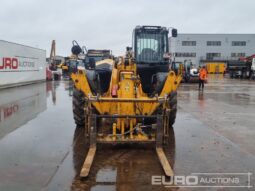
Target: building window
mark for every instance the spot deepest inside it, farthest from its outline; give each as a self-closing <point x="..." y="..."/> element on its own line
<point x="240" y="54"/>
<point x="185" y="54"/>
<point x="238" y="43"/>
<point x="213" y="43"/>
<point x="189" y="43"/>
<point x="211" y="56"/>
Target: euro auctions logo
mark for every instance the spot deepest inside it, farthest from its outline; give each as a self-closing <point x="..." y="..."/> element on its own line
<point x="175" y="180"/>
<point x="9" y="63"/>
<point x="13" y="64"/>
<point x="205" y="180"/>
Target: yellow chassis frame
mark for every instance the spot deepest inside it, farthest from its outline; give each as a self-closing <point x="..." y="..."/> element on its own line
<point x="129" y="101"/>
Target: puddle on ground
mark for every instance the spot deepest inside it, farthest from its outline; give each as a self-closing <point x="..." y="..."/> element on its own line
<point x="107" y="174"/>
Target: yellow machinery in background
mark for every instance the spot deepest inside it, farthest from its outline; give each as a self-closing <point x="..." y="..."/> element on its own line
<point x="215" y="67"/>
<point x="129" y="99"/>
<point x="69" y="66"/>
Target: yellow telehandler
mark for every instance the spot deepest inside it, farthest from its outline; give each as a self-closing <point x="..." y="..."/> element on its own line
<point x="135" y="95"/>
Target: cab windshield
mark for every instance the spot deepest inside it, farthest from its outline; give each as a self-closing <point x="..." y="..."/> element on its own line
<point x="151" y="47"/>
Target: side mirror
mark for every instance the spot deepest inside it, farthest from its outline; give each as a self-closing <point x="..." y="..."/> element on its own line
<point x="174" y="33"/>
<point x="128" y="48"/>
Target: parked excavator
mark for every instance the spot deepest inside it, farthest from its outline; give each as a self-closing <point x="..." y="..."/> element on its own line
<point x="51" y="70"/>
<point x="130" y="99"/>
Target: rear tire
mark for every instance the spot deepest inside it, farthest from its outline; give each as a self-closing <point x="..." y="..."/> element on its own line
<point x="173" y="107"/>
<point x="78" y="108"/>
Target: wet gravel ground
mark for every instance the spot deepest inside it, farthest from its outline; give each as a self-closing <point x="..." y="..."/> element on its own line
<point x="41" y="149"/>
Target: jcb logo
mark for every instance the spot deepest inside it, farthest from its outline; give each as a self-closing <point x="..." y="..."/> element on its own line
<point x="9" y="63"/>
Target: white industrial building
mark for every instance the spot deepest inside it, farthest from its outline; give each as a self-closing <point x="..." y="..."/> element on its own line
<point x="208" y="47"/>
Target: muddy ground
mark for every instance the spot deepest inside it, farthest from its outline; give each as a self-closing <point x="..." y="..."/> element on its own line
<point x="41" y="148"/>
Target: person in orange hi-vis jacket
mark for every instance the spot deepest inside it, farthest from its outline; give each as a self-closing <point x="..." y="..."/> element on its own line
<point x="202" y="77"/>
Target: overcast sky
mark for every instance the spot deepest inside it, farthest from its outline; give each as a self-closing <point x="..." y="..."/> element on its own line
<point x="108" y="24"/>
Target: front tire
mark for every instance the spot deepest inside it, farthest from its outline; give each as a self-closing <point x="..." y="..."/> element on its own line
<point x="78" y="108"/>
